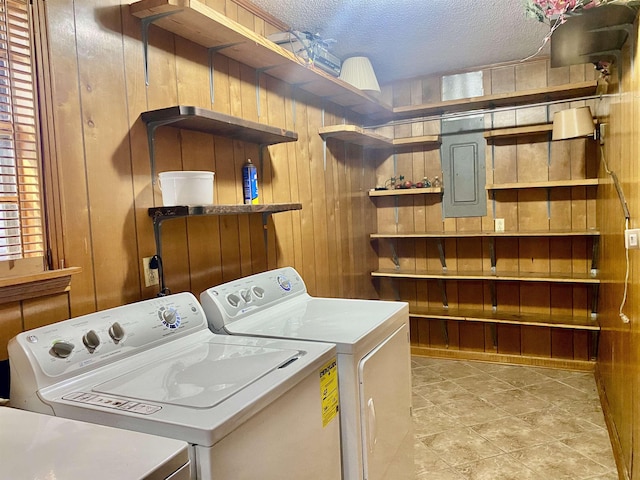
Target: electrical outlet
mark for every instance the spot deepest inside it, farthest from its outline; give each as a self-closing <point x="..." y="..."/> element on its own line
<point x="499" y="224"/>
<point x="632" y="238"/>
<point x="150" y="274"/>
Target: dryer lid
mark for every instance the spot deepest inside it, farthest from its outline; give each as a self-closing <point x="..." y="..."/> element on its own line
<point x="201" y="376"/>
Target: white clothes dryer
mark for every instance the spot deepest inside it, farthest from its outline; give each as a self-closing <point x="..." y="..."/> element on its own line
<point x="374" y="363"/>
<point x="37" y="446"/>
<point x="248" y="407"/>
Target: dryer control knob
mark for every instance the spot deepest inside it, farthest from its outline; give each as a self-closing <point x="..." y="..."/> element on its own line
<point x="91" y="340"/>
<point x="116" y="332"/>
<point x="62" y="349"/>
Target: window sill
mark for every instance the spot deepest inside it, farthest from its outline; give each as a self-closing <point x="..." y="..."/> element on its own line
<point x="23" y="287"/>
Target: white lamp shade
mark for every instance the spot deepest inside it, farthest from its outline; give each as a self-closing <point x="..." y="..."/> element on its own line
<point x="573" y="123"/>
<point x="358" y="72"/>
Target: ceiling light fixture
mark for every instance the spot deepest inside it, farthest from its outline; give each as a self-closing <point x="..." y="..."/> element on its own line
<point x="358" y="72"/>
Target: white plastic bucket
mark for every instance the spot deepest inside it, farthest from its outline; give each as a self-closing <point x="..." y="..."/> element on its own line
<point x="186" y="188"/>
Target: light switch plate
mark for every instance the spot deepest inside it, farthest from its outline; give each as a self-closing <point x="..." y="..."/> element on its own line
<point x="499" y="224"/>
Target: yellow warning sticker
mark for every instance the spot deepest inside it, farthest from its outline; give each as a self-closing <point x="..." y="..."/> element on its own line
<point x="329" y="391"/>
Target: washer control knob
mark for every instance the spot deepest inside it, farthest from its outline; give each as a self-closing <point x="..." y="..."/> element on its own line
<point x="233" y="299"/>
<point x="61" y="349"/>
<point x="91" y="340"/>
<point x="170" y="317"/>
<point x="258" y="292"/>
<point x="284" y="283"/>
<point x="246" y="295"/>
<point x="116" y="332"/>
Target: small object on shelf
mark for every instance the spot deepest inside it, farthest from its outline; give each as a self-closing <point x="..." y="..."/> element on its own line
<point x="425" y="182"/>
<point x="436" y="182"/>
<point x="250" y="183"/>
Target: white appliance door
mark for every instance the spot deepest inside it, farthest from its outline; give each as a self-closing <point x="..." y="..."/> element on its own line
<point x="385" y="404"/>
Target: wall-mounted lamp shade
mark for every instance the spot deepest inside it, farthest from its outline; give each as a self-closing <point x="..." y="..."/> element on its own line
<point x="358" y="71"/>
<point x="573" y="123"/>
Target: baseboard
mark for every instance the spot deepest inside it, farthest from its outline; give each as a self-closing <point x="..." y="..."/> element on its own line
<point x="562" y="363"/>
<point x="623" y="473"/>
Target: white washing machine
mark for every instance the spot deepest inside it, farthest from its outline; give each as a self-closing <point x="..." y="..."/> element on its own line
<point x="374" y="362"/>
<point x="248" y="407"/>
<point x="37" y="446"/>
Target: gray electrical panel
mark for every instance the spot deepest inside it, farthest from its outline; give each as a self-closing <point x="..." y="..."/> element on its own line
<point x="463" y="167"/>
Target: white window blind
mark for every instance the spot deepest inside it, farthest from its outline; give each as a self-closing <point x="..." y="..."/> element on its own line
<point x="21" y="219"/>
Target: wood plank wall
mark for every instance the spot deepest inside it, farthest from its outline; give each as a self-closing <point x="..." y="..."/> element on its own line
<point x="99" y="147"/>
<point x="619" y="353"/>
<point x="524" y="160"/>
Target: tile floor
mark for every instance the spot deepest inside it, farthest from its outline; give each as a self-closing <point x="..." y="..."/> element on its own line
<point x="487" y="421"/>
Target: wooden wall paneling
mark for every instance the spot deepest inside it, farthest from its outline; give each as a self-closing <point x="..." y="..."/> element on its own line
<point x="38" y="312"/>
<point x="228" y="179"/>
<point x="320" y="201"/>
<point x="534" y="255"/>
<point x="231" y="10"/>
<point x="71" y="161"/>
<point x="281" y="236"/>
<point x="218" y="5"/>
<point x="349" y="154"/>
<point x="304" y="180"/>
<point x="530" y="75"/>
<point x="508" y="339"/>
<point x="198" y="153"/>
<point x="535" y="341"/>
<point x="532" y="209"/>
<point x="140" y="161"/>
<point x="242" y="90"/>
<point x="371" y="225"/>
<point x="11" y="324"/>
<point x="332" y="215"/>
<point x="562" y="343"/>
<point x="106" y="148"/>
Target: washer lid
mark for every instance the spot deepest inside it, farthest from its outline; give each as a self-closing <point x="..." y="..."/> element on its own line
<point x="201" y="376"/>
<point x="344" y="322"/>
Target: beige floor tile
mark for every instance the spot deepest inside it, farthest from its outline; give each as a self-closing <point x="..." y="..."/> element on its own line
<point x="557" y="422"/>
<point x="458" y="447"/>
<point x="472" y="410"/>
<point x="500" y="467"/>
<point x="468" y="414"/>
<point x="432" y="420"/>
<point x="557" y="461"/>
<point x="517" y="401"/>
<point x="511" y="434"/>
<point x="595" y="445"/>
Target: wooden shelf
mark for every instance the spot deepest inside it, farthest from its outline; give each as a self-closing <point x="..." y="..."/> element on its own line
<point x="49" y="282"/>
<point x="404" y="191"/>
<point x="356" y="135"/>
<point x="165" y="213"/>
<point x="514" y="132"/>
<point x="559" y="92"/>
<point x="586" y="322"/>
<point x="585" y="182"/>
<point x="360" y="136"/>
<point x="489" y="234"/>
<point x="506" y="276"/>
<point x="208" y="121"/>
<point x="195" y="21"/>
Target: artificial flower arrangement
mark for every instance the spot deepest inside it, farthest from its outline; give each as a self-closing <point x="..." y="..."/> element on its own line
<point x="555" y="12"/>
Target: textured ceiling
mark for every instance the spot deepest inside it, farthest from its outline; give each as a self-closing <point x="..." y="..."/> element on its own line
<point x="408" y="38"/>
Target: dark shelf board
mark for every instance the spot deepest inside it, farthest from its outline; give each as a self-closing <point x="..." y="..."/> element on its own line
<point x="180" y="211"/>
<point x="208" y="121"/>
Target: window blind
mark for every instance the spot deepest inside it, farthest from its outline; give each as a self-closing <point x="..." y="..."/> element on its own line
<point x="21" y="218"/>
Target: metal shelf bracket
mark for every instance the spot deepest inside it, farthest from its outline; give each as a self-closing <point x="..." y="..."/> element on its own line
<point x="146" y="22"/>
